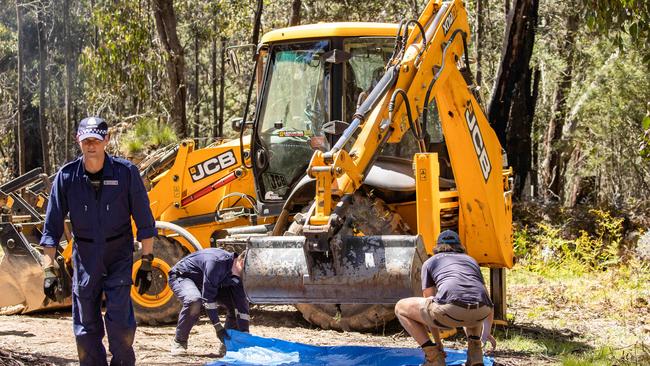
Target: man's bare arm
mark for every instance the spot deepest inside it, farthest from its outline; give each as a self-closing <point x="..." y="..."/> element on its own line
<point x="49" y="257"/>
<point x="147" y="246"/>
<point x="429" y="292"/>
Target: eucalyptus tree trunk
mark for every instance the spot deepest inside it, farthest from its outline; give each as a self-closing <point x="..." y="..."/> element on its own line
<point x="196" y="86"/>
<point x="174" y="61"/>
<point x="67" y="51"/>
<point x="553" y="166"/>
<point x="257" y="22"/>
<point x="213" y="83"/>
<point x="222" y="84"/>
<point x="513" y="101"/>
<point x="415" y="9"/>
<point x="19" y="131"/>
<point x="478" y="37"/>
<point x="295" y="13"/>
<point x="43" y="80"/>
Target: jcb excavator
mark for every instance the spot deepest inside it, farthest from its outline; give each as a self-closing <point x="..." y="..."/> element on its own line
<point x="369" y="186"/>
<point x="364" y="146"/>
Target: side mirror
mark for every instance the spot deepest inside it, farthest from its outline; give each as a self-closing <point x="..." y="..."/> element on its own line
<point x="233" y="58"/>
<point x="237" y="124"/>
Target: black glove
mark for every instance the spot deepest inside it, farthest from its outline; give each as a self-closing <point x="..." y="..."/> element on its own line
<point x="143" y="278"/>
<point x="221" y="332"/>
<point x="51" y="283"/>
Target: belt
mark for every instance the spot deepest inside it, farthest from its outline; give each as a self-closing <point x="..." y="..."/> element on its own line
<point x="109" y="239"/>
<point x="464" y="305"/>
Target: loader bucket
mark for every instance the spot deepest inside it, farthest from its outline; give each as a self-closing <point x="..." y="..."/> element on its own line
<point x="21" y="276"/>
<point x="378" y="269"/>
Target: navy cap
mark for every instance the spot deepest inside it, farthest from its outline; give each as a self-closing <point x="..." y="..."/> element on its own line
<point x="448" y="237"/>
<point x="92" y="127"/>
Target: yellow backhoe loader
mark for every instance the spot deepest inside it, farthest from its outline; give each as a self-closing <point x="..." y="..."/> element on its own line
<point x="363" y="191"/>
<point x="367" y="140"/>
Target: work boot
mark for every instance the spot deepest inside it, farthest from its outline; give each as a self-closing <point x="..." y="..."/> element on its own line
<point x="433" y="356"/>
<point x="222" y="335"/>
<point x="474" y="352"/>
<point x="221" y="348"/>
<point x="178" y="348"/>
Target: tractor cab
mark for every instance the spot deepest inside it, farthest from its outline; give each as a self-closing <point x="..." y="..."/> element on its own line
<point x="310" y="81"/>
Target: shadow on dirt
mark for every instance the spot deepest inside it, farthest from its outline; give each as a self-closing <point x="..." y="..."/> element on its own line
<point x="10" y="358"/>
<point x="17" y="333"/>
<point x="535" y="342"/>
<point x="277" y="316"/>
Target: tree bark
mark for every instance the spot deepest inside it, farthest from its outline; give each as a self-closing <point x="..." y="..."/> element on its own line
<point x="196" y="86"/>
<point x="222" y="85"/>
<point x="19" y="131"/>
<point x="510" y="109"/>
<point x="42" y="85"/>
<point x="174" y="61"/>
<point x="553" y="167"/>
<point x="257" y="22"/>
<point x="415" y="9"/>
<point x="213" y="82"/>
<point x="295" y="13"/>
<point x="478" y="37"/>
<point x="67" y="45"/>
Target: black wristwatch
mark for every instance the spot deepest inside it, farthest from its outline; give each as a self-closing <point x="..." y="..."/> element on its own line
<point x="147" y="257"/>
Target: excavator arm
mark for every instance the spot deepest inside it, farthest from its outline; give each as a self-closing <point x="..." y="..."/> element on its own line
<point x="427" y="71"/>
<point x="322" y="265"/>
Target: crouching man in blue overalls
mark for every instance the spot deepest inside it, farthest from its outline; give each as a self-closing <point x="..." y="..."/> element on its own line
<point x="209" y="278"/>
<point x="101" y="193"/>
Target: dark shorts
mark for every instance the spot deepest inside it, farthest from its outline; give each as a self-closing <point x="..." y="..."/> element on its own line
<point x="448" y="316"/>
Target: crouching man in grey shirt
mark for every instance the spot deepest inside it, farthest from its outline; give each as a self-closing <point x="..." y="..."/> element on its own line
<point x="454" y="295"/>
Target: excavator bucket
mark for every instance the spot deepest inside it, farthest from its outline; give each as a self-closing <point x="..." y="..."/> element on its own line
<point x="379" y="269"/>
<point x="21" y="276"/>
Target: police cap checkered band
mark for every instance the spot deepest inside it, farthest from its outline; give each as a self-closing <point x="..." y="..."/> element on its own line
<point x="448" y="237"/>
<point x="92" y="127"/>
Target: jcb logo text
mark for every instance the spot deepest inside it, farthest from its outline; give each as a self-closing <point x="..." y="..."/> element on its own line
<point x="212" y="165"/>
<point x="477" y="140"/>
<point x="449" y="20"/>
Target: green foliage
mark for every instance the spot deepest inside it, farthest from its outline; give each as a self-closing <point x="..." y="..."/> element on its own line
<point x="606" y="356"/>
<point x="147" y="135"/>
<point x="118" y="72"/>
<point x="644" y="146"/>
<point x="613" y="17"/>
<point x="8" y="44"/>
<point x="545" y="250"/>
<point x="606" y="107"/>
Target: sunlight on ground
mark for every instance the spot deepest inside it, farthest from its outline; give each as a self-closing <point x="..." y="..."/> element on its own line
<point x="581" y="319"/>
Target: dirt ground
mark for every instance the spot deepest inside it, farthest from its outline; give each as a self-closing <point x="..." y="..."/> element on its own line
<point x="47" y="339"/>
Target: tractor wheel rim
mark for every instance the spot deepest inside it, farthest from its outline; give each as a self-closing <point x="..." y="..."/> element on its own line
<point x="152" y="300"/>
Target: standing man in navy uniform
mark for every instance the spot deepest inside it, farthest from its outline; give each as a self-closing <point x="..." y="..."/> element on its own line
<point x="209" y="278"/>
<point x="101" y="193"/>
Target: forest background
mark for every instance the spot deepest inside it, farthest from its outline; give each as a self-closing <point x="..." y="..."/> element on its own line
<point x="566" y="85"/>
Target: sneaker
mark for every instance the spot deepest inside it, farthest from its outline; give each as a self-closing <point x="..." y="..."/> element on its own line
<point x="178" y="348"/>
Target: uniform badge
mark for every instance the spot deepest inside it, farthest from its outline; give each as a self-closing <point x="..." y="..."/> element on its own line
<point x="110" y="182"/>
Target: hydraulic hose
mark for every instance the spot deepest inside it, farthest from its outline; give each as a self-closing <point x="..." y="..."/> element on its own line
<point x="180" y="231"/>
<point x="385" y="83"/>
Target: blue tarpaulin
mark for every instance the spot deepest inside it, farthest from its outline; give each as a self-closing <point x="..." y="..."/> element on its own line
<point x="249" y="350"/>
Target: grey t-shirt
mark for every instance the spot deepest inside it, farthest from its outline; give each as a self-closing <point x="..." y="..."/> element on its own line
<point x="456" y="276"/>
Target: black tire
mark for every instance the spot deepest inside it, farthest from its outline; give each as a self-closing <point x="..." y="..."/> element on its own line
<point x="348" y="317"/>
<point x="370" y="216"/>
<point x="165" y="311"/>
